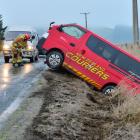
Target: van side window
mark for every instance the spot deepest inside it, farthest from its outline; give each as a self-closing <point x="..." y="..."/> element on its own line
<point x="101" y="48"/>
<point x="73" y="31"/>
<point x="128" y="64"/>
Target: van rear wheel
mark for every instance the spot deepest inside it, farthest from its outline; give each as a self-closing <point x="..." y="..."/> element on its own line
<point x="108" y="89"/>
<point x="54" y="59"/>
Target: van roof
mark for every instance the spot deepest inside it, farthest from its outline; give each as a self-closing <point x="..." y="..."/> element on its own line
<point x="108" y="42"/>
<point x="21" y="28"/>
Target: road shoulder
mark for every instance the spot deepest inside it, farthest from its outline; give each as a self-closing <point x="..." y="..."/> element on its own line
<point x="16" y="124"/>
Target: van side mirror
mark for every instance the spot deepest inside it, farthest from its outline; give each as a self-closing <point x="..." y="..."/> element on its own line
<point x="51" y="25"/>
<point x="33" y="37"/>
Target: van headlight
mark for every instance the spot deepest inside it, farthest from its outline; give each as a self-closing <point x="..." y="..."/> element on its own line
<point x="6" y="47"/>
<point x="30" y="47"/>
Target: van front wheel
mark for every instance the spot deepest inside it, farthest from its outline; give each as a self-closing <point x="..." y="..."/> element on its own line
<point x="54" y="60"/>
<point x="108" y="89"/>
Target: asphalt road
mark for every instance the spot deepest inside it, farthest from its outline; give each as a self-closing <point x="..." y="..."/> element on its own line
<point x="14" y="82"/>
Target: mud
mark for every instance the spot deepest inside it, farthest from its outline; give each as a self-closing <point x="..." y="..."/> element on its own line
<point x="71" y="110"/>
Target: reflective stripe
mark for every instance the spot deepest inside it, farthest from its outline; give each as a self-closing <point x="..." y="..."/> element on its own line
<point x="98" y="86"/>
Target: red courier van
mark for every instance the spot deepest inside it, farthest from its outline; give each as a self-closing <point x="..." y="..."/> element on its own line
<point x="91" y="57"/>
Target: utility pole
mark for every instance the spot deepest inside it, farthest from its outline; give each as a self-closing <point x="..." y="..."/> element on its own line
<point x="85" y="14"/>
<point x="135" y="21"/>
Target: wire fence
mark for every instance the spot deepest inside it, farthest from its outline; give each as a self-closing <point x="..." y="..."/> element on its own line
<point x="133" y="49"/>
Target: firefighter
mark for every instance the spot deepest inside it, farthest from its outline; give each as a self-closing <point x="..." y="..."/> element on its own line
<point x="18" y="44"/>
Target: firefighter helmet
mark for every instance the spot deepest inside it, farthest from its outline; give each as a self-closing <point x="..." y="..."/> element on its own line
<point x="27" y="37"/>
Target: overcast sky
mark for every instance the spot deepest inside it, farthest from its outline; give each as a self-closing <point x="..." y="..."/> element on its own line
<point x="38" y="13"/>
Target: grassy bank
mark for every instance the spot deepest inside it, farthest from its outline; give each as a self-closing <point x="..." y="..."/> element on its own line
<point x="126" y="110"/>
<point x="80" y="113"/>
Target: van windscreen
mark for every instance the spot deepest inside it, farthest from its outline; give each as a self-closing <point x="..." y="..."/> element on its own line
<point x="11" y="35"/>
